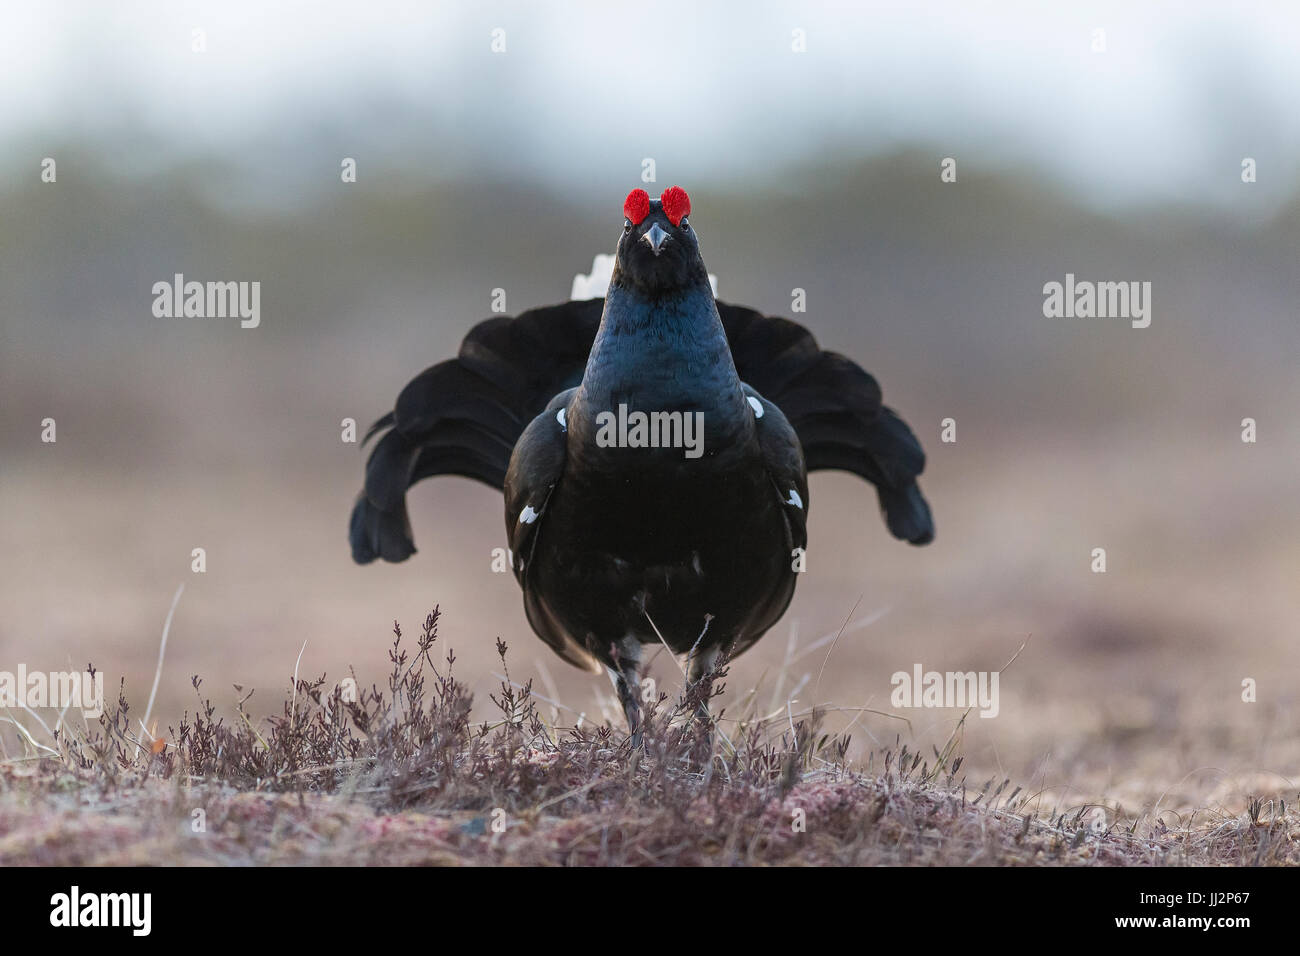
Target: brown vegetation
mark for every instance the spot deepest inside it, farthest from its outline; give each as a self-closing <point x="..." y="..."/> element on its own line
<point x="400" y="775"/>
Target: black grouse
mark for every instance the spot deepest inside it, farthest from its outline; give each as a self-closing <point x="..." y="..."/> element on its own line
<point x="653" y="448"/>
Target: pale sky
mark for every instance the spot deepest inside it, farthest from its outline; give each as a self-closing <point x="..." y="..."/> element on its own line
<point x="1183" y="91"/>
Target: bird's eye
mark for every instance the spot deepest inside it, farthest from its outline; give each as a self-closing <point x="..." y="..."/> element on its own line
<point x="627" y="225"/>
<point x="685" y="223"/>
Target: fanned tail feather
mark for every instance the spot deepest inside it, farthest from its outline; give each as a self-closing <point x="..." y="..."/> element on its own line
<point x="835" y="408"/>
<point x="464" y="416"/>
<point x="380" y="527"/>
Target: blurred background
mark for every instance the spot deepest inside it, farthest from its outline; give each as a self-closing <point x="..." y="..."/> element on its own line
<point x="810" y="138"/>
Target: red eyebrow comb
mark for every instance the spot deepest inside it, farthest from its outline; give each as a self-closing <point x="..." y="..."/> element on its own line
<point x="677" y="205"/>
<point x="636" y="206"/>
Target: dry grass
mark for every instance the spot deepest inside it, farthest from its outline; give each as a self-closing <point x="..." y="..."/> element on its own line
<point x="400" y="775"/>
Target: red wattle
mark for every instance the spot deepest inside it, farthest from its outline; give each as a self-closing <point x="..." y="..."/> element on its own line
<point x="677" y="205"/>
<point x="637" y="206"/>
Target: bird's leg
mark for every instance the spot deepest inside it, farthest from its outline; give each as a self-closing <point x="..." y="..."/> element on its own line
<point x="699" y="683"/>
<point x="625" y="675"/>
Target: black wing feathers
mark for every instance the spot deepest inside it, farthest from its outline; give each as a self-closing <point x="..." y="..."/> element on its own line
<point x="532" y="477"/>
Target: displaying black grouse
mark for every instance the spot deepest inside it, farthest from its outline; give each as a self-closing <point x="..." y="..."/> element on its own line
<point x="653" y="448"/>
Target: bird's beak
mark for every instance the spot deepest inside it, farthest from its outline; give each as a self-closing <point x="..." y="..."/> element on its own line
<point x="655" y="238"/>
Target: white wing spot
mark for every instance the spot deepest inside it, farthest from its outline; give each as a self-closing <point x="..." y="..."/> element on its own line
<point x="528" y="515"/>
<point x="794" y="499"/>
<point x="756" y="405"/>
<point x="559" y="417"/>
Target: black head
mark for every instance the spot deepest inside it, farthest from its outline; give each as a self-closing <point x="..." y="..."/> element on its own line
<point x="658" y="253"/>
